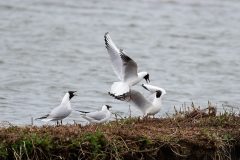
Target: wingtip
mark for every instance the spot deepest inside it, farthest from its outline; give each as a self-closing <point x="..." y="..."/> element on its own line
<point x="43" y="117"/>
<point x="105" y="35"/>
<point x="82" y="111"/>
<point x="106" y="39"/>
<point x="143" y="85"/>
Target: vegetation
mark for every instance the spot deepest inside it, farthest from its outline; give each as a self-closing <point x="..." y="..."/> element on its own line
<point x="190" y="134"/>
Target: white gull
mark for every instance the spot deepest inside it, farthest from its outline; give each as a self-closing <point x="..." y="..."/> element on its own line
<point x="147" y="106"/>
<point x="124" y="67"/>
<point x="101" y="116"/>
<point x="62" y="111"/>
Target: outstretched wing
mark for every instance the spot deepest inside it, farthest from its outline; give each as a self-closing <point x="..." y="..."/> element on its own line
<point x="129" y="67"/>
<point x="114" y="54"/>
<point x="141" y="102"/>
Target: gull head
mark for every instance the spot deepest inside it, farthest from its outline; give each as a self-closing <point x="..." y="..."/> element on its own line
<point x="71" y="94"/>
<point x="144" y="75"/>
<point x="106" y="107"/>
<point x="160" y="93"/>
<point x="147" y="78"/>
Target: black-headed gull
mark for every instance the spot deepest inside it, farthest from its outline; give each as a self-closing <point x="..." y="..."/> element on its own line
<point x="146" y="106"/>
<point x="124" y="67"/>
<point x="62" y="111"/>
<point x="98" y="116"/>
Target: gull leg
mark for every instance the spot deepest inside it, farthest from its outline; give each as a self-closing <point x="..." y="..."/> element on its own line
<point x="146" y="117"/>
<point x="130" y="112"/>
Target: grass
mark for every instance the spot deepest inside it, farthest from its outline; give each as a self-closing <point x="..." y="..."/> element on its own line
<point x="188" y="134"/>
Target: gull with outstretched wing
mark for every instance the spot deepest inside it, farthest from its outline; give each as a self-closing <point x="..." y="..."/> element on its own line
<point x="124" y="67"/>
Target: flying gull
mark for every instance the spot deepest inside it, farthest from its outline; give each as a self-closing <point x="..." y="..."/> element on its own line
<point x="124" y="67"/>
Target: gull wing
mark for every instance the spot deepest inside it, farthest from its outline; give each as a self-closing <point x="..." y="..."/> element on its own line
<point x="114" y="54"/>
<point x="151" y="97"/>
<point x="59" y="113"/>
<point x="129" y="67"/>
<point x="99" y="115"/>
<point x="141" y="102"/>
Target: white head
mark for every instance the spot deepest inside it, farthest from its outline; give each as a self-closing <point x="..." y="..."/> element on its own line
<point x="144" y="75"/>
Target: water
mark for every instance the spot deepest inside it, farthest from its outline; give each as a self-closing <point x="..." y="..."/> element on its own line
<point x="190" y="48"/>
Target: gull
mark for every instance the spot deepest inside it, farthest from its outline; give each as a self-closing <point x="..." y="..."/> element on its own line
<point x="62" y="111"/>
<point x="148" y="107"/>
<point x="97" y="116"/>
<point x="124" y="67"/>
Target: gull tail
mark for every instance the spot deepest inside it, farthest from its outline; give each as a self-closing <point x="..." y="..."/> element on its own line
<point x="123" y="97"/>
<point x="46" y="120"/>
<point x="119" y="88"/>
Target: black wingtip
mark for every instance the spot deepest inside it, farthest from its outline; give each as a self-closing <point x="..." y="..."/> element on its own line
<point x="42" y="117"/>
<point x="105" y="39"/>
<point x="82" y="111"/>
<point x="106" y="34"/>
<point x="145" y="87"/>
<point x="122" y="97"/>
<point x="124" y="56"/>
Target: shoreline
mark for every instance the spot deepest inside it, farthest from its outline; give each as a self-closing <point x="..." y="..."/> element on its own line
<point x="197" y="134"/>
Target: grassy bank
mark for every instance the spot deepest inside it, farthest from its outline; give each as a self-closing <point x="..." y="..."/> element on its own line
<point x="199" y="134"/>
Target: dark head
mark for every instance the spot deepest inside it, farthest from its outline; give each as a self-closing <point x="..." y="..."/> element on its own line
<point x="147" y="78"/>
<point x="108" y="107"/>
<point x="158" y="93"/>
<point x="71" y="94"/>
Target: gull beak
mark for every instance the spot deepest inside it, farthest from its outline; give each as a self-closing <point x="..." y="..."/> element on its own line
<point x="74" y="93"/>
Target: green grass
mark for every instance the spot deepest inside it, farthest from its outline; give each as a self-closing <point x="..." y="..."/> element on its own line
<point x="189" y="134"/>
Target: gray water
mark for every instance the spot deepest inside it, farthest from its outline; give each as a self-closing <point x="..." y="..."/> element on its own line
<point x="189" y="47"/>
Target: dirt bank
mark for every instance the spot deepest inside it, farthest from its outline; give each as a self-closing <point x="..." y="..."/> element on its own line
<point x="192" y="136"/>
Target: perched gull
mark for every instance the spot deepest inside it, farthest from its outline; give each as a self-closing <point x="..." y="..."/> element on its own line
<point x="124" y="67"/>
<point x="97" y="116"/>
<point x="146" y="106"/>
<point x="62" y="111"/>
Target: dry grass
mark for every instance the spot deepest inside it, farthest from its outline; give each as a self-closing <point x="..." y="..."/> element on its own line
<point x="189" y="134"/>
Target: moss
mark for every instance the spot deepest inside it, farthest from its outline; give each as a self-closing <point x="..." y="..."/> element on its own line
<point x="3" y="152"/>
<point x="97" y="143"/>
